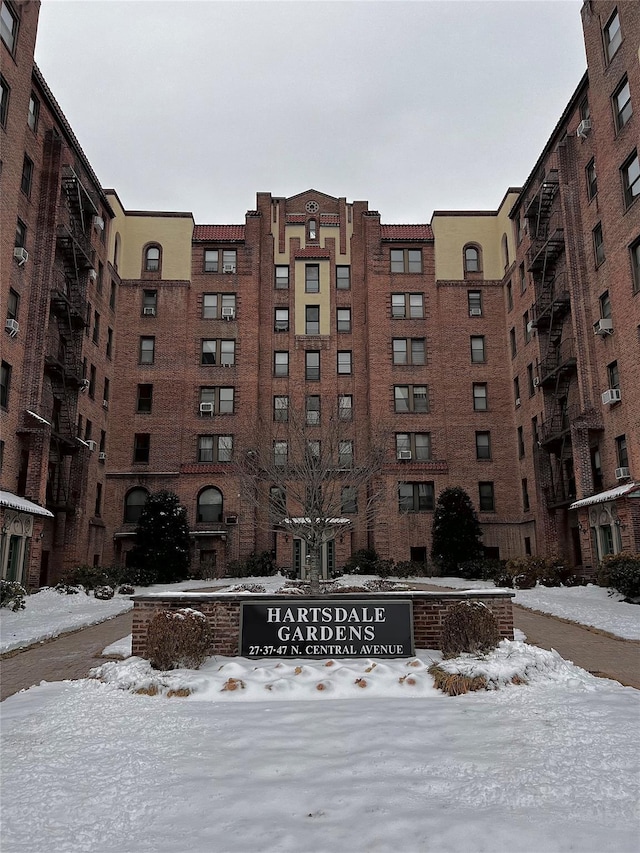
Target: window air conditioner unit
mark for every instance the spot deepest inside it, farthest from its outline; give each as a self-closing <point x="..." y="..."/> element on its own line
<point x="517" y="401"/>
<point x="228" y="268"/>
<point x="611" y="395"/>
<point x="149" y="311"/>
<point x="536" y="381"/>
<point x="98" y="222"/>
<point x="102" y="456"/>
<point x="529" y="328"/>
<point x="206" y="408"/>
<point x="12" y="326"/>
<point x="228" y="313"/>
<point x="475" y="312"/>
<point x="404" y="454"/>
<point x="623" y="473"/>
<point x="603" y="327"/>
<point x="21" y="255"/>
<point x="584" y="128"/>
<point x="231" y="519"/>
<point x="92" y="445"/>
<point x="105" y="404"/>
<point x="84" y="386"/>
<point x="93" y="275"/>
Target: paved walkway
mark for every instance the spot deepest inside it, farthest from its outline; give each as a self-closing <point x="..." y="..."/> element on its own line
<point x="73" y="655"/>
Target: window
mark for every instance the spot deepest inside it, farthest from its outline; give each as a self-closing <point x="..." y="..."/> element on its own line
<point x="312" y="278"/>
<point x="487" y="500"/>
<point x="96" y="327"/>
<point x="222" y="399"/>
<point x="349" y="500"/>
<point x="408" y="350"/>
<point x="406" y="260"/>
<point x="613" y="375"/>
<point x="520" y="442"/>
<point x="152" y="259"/>
<point x="8" y="26"/>
<point x="622" y="455"/>
<point x="109" y="342"/>
<point x="281" y="320"/>
<point x="343" y="278"/>
<point x="112" y="296"/>
<point x="622" y="109"/>
<point x="635" y="265"/>
<point x="480" y="397"/>
<point x="103" y="441"/>
<point x="92" y="381"/>
<point x="229" y="260"/>
<point x="525" y="495"/>
<point x="280" y="453"/>
<point x="221" y="352"/>
<point x="407" y="305"/>
<point x="5" y="383"/>
<point x="312" y="365"/>
<point x="345" y="407"/>
<point x="312" y="229"/>
<point x="149" y="302"/>
<point x="133" y="505"/>
<point x="483" y="445"/>
<point x="282" y="278"/>
<point x="612" y="35"/>
<point x="585" y="110"/>
<point x="472" y="259"/>
<point x="415" y="497"/>
<point x="144" y="399"/>
<point x="147" y="350"/>
<point x="523" y="278"/>
<point x="99" y="282"/>
<point x="477" y="349"/>
<point x="105" y="390"/>
<point x="4" y="100"/>
<point x="215" y="448"/>
<point x="516" y="390"/>
<point x="411" y="398"/>
<point x="598" y="244"/>
<point x="530" y="377"/>
<point x="281" y="409"/>
<point x="512" y="342"/>
<point x="526" y="327"/>
<point x="209" y="505"/>
<point x="474" y="300"/>
<point x="281" y="363"/>
<point x="211" y="260"/>
<point x="277" y="503"/>
<point x="343" y="319"/>
<point x="344" y="362"/>
<point x="27" y="175"/>
<point x="88" y="430"/>
<point x="418" y="444"/>
<point x="141" y="447"/>
<point x="345" y="453"/>
<point x="13" y="304"/>
<point x="312" y="409"/>
<point x="592" y="180"/>
<point x="605" y="305"/>
<point x="509" y="297"/>
<point x="98" y="505"/>
<point x="312" y="320"/>
<point x="87" y="318"/>
<point x="631" y="179"/>
<point x="21" y="235"/>
<point x="34" y="112"/>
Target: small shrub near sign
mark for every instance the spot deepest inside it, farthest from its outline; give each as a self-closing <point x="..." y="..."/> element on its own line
<point x="103" y="593"/>
<point x="469" y="627"/>
<point x="12" y="595"/>
<point x="621" y="572"/>
<point x="178" y="639"/>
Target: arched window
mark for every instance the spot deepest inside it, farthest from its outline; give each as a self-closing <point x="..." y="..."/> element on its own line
<point x="133" y="504"/>
<point x="505" y="251"/>
<point x="152" y="258"/>
<point x="472" y="261"/>
<point x="210" y="505"/>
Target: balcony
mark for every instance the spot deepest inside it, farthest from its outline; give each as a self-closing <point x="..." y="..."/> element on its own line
<point x="540" y="203"/>
<point x="560" y="358"/>
<point x="545" y="250"/>
<point x="556" y="428"/>
<point x="553" y="303"/>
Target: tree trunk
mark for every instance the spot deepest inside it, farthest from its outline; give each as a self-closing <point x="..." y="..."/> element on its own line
<point x="314" y="571"/>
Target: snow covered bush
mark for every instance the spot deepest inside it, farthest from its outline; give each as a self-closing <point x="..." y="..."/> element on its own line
<point x="12" y="595"/>
<point x="91" y="577"/>
<point x="468" y="627"/>
<point x="126" y="589"/>
<point x="65" y="588"/>
<point x="103" y="593"/>
<point x="178" y="639"/>
<point x="255" y="565"/>
<point x="526" y="572"/>
<point x="621" y="572"/>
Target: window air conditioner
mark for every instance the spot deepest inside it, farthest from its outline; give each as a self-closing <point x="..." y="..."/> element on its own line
<point x="517" y="401"/>
<point x="603" y="327"/>
<point x="231" y="519"/>
<point x="98" y="222"/>
<point x="92" y="445"/>
<point x="228" y="268"/>
<point x="529" y="328"/>
<point x="84" y="386"/>
<point x="475" y="312"/>
<point x="536" y="381"/>
<point x="611" y="395"/>
<point x="12" y="326"/>
<point x="584" y="128"/>
<point x="206" y="408"/>
<point x="21" y="255"/>
<point x="93" y="275"/>
<point x="105" y="404"/>
<point x="149" y="311"/>
<point x="623" y="473"/>
<point x="404" y="454"/>
<point x="102" y="456"/>
<point x="228" y="313"/>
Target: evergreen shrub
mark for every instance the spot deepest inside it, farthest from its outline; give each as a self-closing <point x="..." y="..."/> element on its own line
<point x="12" y="595"/>
<point x="621" y="572"/>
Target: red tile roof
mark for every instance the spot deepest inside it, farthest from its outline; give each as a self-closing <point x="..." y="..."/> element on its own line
<point x="219" y="233"/>
<point x="296" y="218"/>
<point x="406" y="232"/>
<point x="312" y="252"/>
<point x="329" y="219"/>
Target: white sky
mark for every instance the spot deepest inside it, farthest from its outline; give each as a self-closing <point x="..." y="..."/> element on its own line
<point x="413" y="106"/>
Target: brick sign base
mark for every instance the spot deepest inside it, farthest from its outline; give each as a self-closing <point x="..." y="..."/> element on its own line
<point x="223" y="610"/>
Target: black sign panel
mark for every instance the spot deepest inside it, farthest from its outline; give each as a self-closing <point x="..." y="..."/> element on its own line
<point x="311" y="628"/>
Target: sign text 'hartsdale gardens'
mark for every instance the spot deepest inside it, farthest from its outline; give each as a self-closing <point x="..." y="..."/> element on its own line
<point x="321" y="628"/>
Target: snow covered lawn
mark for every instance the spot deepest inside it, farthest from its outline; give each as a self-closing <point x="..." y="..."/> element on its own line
<point x="549" y="766"/>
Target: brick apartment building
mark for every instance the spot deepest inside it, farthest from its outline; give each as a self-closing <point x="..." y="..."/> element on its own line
<point x="494" y="350"/>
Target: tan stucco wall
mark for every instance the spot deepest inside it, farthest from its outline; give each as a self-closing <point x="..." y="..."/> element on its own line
<point x="302" y="299"/>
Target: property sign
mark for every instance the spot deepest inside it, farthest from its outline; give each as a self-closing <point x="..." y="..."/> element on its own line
<point x="311" y="628"/>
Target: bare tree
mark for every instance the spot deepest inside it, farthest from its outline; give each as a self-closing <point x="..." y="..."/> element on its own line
<point x="313" y="472"/>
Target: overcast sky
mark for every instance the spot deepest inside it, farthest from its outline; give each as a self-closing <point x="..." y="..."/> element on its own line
<point x="413" y="106"/>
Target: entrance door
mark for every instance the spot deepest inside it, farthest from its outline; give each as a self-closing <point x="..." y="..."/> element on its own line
<point x="301" y="553"/>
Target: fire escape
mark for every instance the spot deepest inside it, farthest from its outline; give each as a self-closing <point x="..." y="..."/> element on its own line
<point x="557" y="368"/>
<point x="68" y="457"/>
